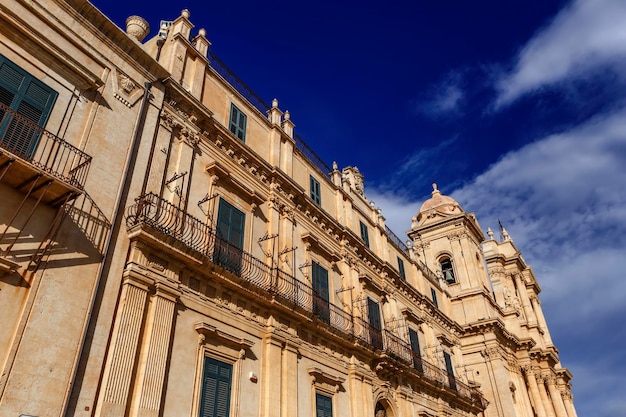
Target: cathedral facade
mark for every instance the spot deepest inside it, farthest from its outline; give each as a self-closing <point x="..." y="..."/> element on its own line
<point x="169" y="246"/>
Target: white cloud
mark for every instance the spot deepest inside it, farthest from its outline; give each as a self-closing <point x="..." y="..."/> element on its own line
<point x="446" y="98"/>
<point x="563" y="200"/>
<point x="587" y="35"/>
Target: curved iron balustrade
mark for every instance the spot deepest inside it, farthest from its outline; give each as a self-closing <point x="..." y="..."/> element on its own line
<point x="200" y="239"/>
<point x="30" y="142"/>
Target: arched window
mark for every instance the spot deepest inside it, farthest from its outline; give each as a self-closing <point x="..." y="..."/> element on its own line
<point x="447" y="270"/>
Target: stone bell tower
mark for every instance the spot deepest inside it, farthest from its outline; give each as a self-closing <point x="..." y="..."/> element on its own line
<point x="447" y="240"/>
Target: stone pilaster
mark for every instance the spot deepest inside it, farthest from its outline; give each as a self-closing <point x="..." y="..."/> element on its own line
<point x="271" y="375"/>
<point x="123" y="348"/>
<point x="521" y="290"/>
<point x="151" y="373"/>
<point x="541" y="319"/>
<point x="290" y="380"/>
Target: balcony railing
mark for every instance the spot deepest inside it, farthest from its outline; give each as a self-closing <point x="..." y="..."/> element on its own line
<point x="28" y="141"/>
<point x="198" y="239"/>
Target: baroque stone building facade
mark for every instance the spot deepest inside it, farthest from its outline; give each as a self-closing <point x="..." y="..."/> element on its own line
<point x="170" y="247"/>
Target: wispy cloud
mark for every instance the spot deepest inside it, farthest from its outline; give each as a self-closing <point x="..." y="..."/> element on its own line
<point x="416" y="168"/>
<point x="586" y="36"/>
<point x="444" y="99"/>
<point x="563" y="200"/>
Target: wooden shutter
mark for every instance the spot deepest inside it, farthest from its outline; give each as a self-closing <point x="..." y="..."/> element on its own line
<point x="415" y="348"/>
<point x="323" y="406"/>
<point x="321" y="306"/>
<point x="30" y="98"/>
<point x="230" y="224"/>
<point x="237" y="122"/>
<point x="373" y="313"/>
<point x="364" y="234"/>
<point x="216" y="383"/>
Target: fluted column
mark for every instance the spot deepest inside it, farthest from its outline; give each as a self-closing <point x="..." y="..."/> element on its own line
<point x="123" y="349"/>
<point x="534" y="391"/>
<point x="569" y="404"/>
<point x="151" y="373"/>
<point x="557" y="400"/>
<point x="521" y="290"/>
<point x="544" y="396"/>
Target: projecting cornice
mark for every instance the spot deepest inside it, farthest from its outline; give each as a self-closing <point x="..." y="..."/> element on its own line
<point x="497" y="327"/>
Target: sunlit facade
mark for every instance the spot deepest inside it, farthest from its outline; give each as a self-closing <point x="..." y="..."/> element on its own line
<point x="170" y="247"/>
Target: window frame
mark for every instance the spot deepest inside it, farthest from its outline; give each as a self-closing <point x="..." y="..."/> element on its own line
<point x="206" y="361"/>
<point x="375" y="332"/>
<point x="228" y="253"/>
<point x="401" y="270"/>
<point x="321" y="305"/>
<point x="328" y="399"/>
<point x="24" y="146"/>
<point x="416" y="350"/>
<point x="315" y="190"/>
<point x="237" y="122"/>
<point x="447" y="259"/>
<point x="364" y="233"/>
<point x="433" y="296"/>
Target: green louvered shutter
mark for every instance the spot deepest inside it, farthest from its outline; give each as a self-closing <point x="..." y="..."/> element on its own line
<point x="237" y="123"/>
<point x="30" y="98"/>
<point x="216" y="383"/>
<point x="321" y="306"/>
<point x="323" y="406"/>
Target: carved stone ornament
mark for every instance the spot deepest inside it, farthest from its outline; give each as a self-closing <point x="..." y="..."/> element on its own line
<point x="354" y="177"/>
<point x="125" y="89"/>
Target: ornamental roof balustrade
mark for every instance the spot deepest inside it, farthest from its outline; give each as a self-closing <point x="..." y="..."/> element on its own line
<point x="257" y="102"/>
<point x="168" y="223"/>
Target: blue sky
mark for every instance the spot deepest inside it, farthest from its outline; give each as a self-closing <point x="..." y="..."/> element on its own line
<point x="514" y="108"/>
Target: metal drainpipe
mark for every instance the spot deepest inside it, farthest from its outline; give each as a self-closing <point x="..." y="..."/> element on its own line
<point x="115" y="226"/>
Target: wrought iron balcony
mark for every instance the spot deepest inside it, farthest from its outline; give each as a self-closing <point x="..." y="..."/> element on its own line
<point x="36" y="161"/>
<point x="168" y="223"/>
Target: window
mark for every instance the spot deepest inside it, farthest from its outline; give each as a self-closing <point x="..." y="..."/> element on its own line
<point x="401" y="269"/>
<point x="364" y="234"/>
<point x="433" y="295"/>
<point x="446" y="270"/>
<point x="319" y="280"/>
<point x="216" y="386"/>
<point x="449" y="370"/>
<point x="375" y="330"/>
<point x="415" y="350"/>
<point x="316" y="193"/>
<point x="237" y="123"/>
<point x="31" y="99"/>
<point x="230" y="230"/>
<point x="323" y="406"/>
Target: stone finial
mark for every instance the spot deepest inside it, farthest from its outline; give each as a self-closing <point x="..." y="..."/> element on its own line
<point x="185" y="13"/>
<point x="505" y="234"/>
<point x="435" y="190"/>
<point x="335" y="166"/>
<point x="275" y="103"/>
<point x="287" y="124"/>
<point x="490" y="233"/>
<point x="137" y="27"/>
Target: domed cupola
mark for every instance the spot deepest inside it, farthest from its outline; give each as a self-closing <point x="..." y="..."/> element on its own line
<point x="436" y="207"/>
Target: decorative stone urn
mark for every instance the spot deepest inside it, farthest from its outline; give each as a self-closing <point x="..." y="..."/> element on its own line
<point x="137" y="27"/>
